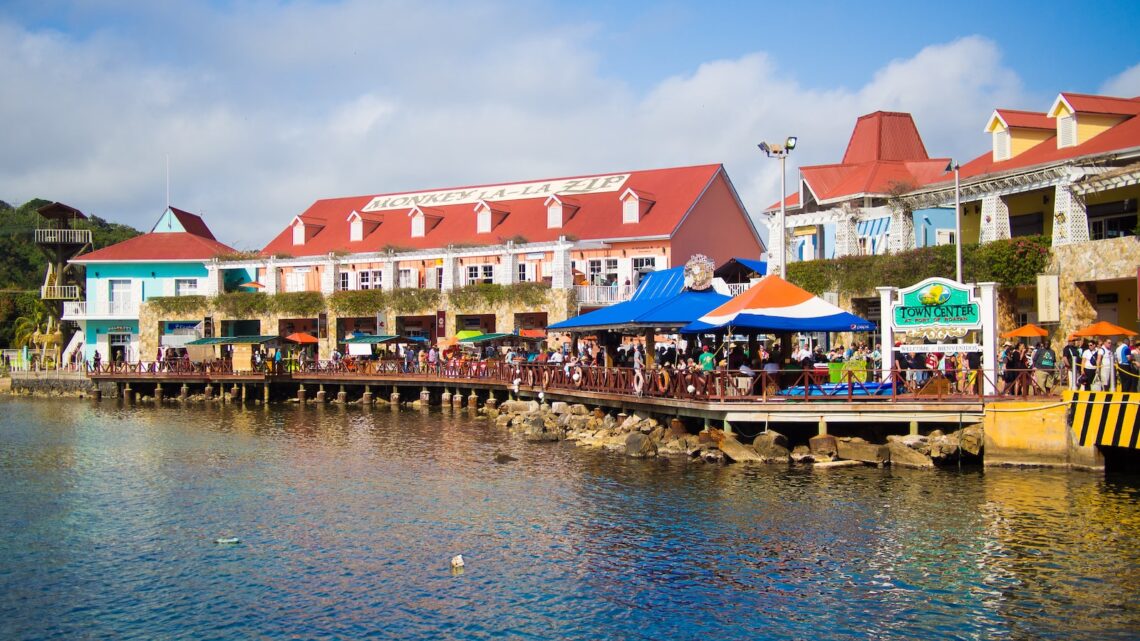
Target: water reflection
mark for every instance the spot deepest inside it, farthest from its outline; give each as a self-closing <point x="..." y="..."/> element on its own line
<point x="349" y="516"/>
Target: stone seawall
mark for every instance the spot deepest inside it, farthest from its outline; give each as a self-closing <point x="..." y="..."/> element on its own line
<point x="50" y="384"/>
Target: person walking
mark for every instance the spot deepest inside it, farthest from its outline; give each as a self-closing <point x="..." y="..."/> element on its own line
<point x="1071" y="360"/>
<point x="1044" y="367"/>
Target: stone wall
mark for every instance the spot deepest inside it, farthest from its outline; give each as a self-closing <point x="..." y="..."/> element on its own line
<point x="1081" y="265"/>
<point x="51" y="383"/>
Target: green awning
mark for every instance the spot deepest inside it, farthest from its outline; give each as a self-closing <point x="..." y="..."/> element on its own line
<point x="486" y="338"/>
<point x="234" y="340"/>
<point x="379" y="339"/>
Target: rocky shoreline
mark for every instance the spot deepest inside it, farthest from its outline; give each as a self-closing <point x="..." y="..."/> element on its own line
<point x="640" y="436"/>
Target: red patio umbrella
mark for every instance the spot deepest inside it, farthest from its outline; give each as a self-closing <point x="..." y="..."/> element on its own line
<point x="254" y="284"/>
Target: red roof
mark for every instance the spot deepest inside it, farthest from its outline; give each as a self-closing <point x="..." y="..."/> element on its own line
<point x="159" y="246"/>
<point x="1085" y="103"/>
<point x="192" y="223"/>
<point x="1126" y="135"/>
<point x="884" y="135"/>
<point x="599" y="216"/>
<point x="1025" y="119"/>
<point x="885" y="151"/>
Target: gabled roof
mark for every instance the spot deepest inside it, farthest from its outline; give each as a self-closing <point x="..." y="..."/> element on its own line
<point x="1085" y="103"/>
<point x="599" y="215"/>
<point x="196" y="243"/>
<point x="60" y="211"/>
<point x="1016" y="119"/>
<point x="192" y="223"/>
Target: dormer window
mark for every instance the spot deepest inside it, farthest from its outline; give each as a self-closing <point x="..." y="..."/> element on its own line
<point x="304" y="230"/>
<point x="360" y="225"/>
<point x="560" y="209"/>
<point x="488" y="215"/>
<point x="635" y="204"/>
<point x="423" y="220"/>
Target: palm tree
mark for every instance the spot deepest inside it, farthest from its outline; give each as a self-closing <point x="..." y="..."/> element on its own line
<point x="33" y="327"/>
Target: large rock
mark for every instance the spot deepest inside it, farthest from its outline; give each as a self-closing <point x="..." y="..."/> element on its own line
<point x="802" y="454"/>
<point x="609" y="422"/>
<point x="856" y="449"/>
<point x="971" y="440"/>
<point x="771" y="446"/>
<point x="903" y="455"/>
<point x="539" y="430"/>
<point x="737" y="451"/>
<point x="639" y="445"/>
<point x="503" y="420"/>
<point x="519" y="407"/>
<point x="824" y="445"/>
<point x="578" y="408"/>
<point x="560" y="407"/>
<point x="915" y="442"/>
<point x="686" y="444"/>
<point x="710" y="455"/>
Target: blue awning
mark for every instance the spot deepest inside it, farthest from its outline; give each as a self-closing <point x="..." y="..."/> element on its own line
<point x="874" y="230"/>
<point x="661" y="301"/>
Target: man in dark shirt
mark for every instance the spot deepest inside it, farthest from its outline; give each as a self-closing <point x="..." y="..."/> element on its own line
<point x="1071" y="358"/>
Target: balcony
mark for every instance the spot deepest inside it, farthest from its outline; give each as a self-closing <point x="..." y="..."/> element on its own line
<point x="63" y="236"/>
<point x="100" y="310"/>
<point x="601" y="295"/>
<point x="59" y="292"/>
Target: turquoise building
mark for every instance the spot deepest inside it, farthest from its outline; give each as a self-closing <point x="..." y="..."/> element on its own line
<point x="170" y="260"/>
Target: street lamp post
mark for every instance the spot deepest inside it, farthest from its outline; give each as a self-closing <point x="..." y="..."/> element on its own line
<point x="779" y="257"/>
<point x="957" y="224"/>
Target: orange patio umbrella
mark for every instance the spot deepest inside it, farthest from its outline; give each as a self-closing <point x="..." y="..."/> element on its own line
<point x="253" y="284"/>
<point x="1028" y="330"/>
<point x="302" y="338"/>
<point x="1104" y="328"/>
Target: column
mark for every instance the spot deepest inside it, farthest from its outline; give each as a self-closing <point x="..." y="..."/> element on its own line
<point x="1070" y="219"/>
<point x="330" y="275"/>
<point x="846" y="233"/>
<point x="776" y="257"/>
<point x="987" y="304"/>
<point x="886" y="340"/>
<point x="508" y="266"/>
<point x="271" y="284"/>
<point x="995" y="219"/>
<point x="388" y="274"/>
<point x="448" y="273"/>
<point x="212" y="285"/>
<point x="562" y="276"/>
<point x="902" y="230"/>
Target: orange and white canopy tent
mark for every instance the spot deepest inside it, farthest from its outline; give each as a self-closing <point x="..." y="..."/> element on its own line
<point x="775" y="305"/>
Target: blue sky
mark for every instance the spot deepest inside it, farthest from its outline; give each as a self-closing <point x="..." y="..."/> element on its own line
<point x="264" y="107"/>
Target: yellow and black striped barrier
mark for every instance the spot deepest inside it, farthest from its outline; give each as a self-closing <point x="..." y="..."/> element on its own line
<point x="1110" y="419"/>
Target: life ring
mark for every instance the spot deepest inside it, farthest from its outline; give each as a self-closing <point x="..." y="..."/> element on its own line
<point x="663" y="382"/>
<point x="576" y="376"/>
<point x="545" y="378"/>
<point x="638" y="382"/>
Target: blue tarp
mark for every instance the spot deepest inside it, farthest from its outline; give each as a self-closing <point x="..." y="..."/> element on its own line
<point x="758" y="266"/>
<point x="660" y="301"/>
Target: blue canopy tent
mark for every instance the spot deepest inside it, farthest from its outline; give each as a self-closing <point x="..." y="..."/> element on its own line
<point x="660" y="302"/>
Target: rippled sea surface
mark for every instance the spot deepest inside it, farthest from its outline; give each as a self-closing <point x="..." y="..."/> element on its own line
<point x="348" y="519"/>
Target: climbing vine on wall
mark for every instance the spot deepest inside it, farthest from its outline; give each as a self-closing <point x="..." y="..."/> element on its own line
<point x="489" y="295"/>
<point x="179" y="305"/>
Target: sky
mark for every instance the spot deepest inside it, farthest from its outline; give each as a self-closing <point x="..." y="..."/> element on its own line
<point x="259" y="108"/>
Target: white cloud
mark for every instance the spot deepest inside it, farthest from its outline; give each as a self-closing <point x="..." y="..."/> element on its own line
<point x="1125" y="84"/>
<point x="276" y="106"/>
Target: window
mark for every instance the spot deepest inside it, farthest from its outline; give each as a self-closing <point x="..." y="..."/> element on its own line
<point x="417" y="225"/>
<point x="299" y="233"/>
<point x="364" y="280"/>
<point x="522" y="272"/>
<point x="594" y="271"/>
<point x="439" y="278"/>
<point x="480" y="274"/>
<point x="611" y="270"/>
<point x="343" y="282"/>
<point x="1027" y="225"/>
<point x="644" y="264"/>
<point x="408" y="279"/>
<point x="1112" y="220"/>
<point x="483" y="221"/>
<point x="185" y="286"/>
<point x="630" y="210"/>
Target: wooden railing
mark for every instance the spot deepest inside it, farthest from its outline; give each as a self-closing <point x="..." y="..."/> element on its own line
<point x="788" y="386"/>
<point x="63" y="236"/>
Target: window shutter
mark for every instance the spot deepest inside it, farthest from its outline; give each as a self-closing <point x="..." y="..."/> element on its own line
<point x="1066" y="131"/>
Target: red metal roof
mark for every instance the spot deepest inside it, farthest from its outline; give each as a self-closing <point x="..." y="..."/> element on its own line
<point x="884" y="135"/>
<point x="192" y="223"/>
<point x="885" y="151"/>
<point x="160" y="246"/>
<point x="1025" y="119"/>
<point x="675" y="191"/>
<point x="1126" y="135"/>
<point x="1086" y="103"/>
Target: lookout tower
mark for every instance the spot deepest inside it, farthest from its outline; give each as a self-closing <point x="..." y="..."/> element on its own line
<point x="61" y="239"/>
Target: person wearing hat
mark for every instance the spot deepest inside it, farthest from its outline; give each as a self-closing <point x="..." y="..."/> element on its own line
<point x="1071" y="358"/>
<point x="707" y="360"/>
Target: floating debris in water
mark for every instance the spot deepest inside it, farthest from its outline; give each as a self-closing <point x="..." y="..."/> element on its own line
<point x="503" y="457"/>
<point x="232" y="540"/>
<point x="457" y="561"/>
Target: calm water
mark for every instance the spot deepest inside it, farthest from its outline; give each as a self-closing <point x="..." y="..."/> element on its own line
<point x="348" y="519"/>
